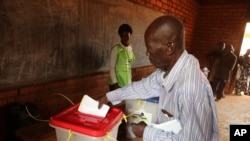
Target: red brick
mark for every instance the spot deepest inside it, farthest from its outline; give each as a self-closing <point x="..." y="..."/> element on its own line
<point x="53" y="85"/>
<point x="31" y="89"/>
<point x="8" y="93"/>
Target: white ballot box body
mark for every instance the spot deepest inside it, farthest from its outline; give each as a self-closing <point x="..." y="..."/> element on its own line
<point x="76" y="126"/>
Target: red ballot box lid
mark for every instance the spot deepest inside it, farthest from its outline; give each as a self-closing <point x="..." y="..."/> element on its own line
<point x="72" y="119"/>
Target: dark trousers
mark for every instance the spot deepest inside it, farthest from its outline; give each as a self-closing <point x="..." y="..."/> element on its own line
<point x="218" y="86"/>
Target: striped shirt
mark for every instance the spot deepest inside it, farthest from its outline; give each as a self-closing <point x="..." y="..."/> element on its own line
<point x="185" y="93"/>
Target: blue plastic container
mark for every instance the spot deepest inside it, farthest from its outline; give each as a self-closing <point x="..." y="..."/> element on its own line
<point x="153" y="100"/>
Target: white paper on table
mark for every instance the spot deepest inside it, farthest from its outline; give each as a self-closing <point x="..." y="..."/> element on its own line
<point x="90" y="106"/>
<point x="172" y="125"/>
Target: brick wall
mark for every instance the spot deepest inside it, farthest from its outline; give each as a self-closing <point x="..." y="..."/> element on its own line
<point x="49" y="97"/>
<point x="206" y="24"/>
<point x="217" y="23"/>
<point x="186" y="10"/>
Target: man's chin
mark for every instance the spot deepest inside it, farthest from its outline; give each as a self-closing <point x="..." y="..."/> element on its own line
<point x="163" y="69"/>
<point x="159" y="67"/>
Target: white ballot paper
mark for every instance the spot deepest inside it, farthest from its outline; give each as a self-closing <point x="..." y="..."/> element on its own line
<point x="90" y="106"/>
<point x="172" y="125"/>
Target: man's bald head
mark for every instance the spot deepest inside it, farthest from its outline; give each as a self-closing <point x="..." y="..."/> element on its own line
<point x="167" y="28"/>
<point x="164" y="40"/>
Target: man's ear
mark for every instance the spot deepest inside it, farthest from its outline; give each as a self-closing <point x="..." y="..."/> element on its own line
<point x="169" y="49"/>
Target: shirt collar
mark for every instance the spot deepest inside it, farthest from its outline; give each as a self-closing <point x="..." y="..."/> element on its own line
<point x="175" y="72"/>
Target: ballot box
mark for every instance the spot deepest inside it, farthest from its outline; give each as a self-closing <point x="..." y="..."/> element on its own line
<point x="73" y="125"/>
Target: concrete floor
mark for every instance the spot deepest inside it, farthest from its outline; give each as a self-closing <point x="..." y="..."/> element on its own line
<point x="232" y="109"/>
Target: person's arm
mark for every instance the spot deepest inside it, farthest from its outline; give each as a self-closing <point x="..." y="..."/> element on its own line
<point x="146" y="88"/>
<point x="113" y="59"/>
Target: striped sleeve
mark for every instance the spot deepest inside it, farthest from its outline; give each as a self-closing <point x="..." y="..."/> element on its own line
<point x="146" y="88"/>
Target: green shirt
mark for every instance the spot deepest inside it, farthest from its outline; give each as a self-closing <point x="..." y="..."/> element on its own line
<point x="123" y="65"/>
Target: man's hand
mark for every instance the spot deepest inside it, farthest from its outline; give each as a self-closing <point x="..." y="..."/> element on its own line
<point x="138" y="129"/>
<point x="102" y="100"/>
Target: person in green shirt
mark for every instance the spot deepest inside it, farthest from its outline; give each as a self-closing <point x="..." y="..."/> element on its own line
<point x="121" y="59"/>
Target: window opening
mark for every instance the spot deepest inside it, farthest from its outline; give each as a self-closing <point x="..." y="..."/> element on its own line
<point x="246" y="40"/>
